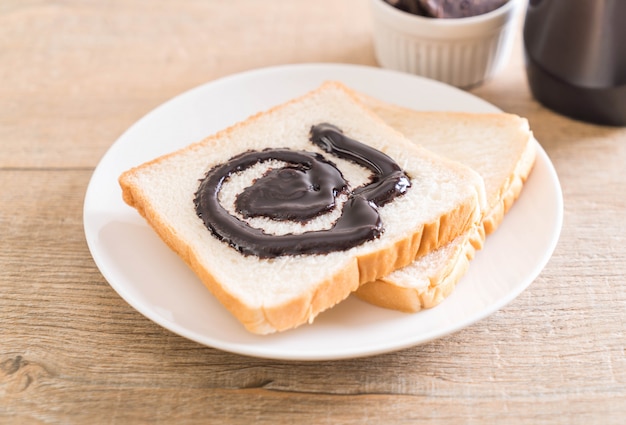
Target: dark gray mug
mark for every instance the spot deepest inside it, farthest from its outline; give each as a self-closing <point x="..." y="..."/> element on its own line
<point x="575" y="54"/>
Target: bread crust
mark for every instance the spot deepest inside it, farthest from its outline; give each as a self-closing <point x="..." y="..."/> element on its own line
<point x="327" y="292"/>
<point x="512" y="188"/>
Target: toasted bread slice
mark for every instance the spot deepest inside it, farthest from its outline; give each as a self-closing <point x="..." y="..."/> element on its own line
<point x="266" y="295"/>
<point x="500" y="147"/>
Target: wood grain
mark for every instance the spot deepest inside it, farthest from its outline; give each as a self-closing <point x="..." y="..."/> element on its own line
<point x="74" y="75"/>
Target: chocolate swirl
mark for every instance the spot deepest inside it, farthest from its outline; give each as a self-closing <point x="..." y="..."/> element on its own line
<point x="303" y="189"/>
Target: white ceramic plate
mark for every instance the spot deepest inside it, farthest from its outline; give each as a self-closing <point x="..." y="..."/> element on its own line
<point x="155" y="282"/>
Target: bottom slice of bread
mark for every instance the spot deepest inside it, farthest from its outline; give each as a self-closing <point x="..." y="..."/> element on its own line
<point x="266" y="295"/>
<point x="498" y="146"/>
<point x="428" y="280"/>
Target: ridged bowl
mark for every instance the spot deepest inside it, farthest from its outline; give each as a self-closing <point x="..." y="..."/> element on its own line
<point x="461" y="52"/>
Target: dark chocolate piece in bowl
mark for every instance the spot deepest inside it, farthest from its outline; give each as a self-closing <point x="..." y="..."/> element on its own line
<point x="459" y="8"/>
<point x="447" y="8"/>
<point x="411" y="6"/>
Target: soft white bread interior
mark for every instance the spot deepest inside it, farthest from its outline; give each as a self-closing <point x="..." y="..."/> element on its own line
<point x="501" y="148"/>
<point x="445" y="200"/>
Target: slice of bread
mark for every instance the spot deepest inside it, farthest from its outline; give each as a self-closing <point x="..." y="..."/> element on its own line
<point x="427" y="281"/>
<point x="500" y="147"/>
<point x="266" y="295"/>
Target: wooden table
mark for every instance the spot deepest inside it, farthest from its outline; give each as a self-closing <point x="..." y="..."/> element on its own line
<point x="75" y="74"/>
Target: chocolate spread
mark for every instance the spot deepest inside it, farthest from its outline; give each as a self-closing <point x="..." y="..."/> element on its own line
<point x="304" y="188"/>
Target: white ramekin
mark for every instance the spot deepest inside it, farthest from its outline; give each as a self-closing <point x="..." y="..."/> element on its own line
<point x="461" y="52"/>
